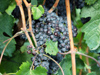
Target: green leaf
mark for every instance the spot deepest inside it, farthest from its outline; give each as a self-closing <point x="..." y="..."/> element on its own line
<point x="79" y="63"/>
<point x="40" y="71"/>
<point x="11" y="8"/>
<point x="34" y="2"/>
<point x="24" y="47"/>
<point x="0" y="74"/>
<point x="92" y="73"/>
<point x="87" y="66"/>
<point x="92" y="32"/>
<point x="41" y="8"/>
<point x="37" y="12"/>
<point x="95" y="51"/>
<point x="6" y="25"/>
<point x="25" y="70"/>
<point x="91" y="11"/>
<point x="40" y="2"/>
<point x="92" y="28"/>
<point x="11" y="65"/>
<point x="66" y="66"/>
<point x="4" y="4"/>
<point x="52" y="47"/>
<point x="89" y="2"/>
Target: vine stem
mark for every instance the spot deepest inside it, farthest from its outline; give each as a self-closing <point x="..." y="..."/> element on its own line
<point x="44" y="2"/>
<point x="17" y="34"/>
<point x="70" y="37"/>
<point x="28" y="5"/>
<point x="54" y="6"/>
<point x="80" y="43"/>
<point x="55" y="62"/>
<point x="87" y="60"/>
<point x="88" y="57"/>
<point x="19" y="3"/>
<point x="65" y="53"/>
<point x="70" y="52"/>
<point x="33" y="62"/>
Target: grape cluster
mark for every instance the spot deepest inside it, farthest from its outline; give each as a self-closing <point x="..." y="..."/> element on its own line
<point x="61" y="8"/>
<point x="51" y="27"/>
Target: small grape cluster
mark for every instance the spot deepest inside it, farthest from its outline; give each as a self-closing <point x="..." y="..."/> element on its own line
<point x="41" y="60"/>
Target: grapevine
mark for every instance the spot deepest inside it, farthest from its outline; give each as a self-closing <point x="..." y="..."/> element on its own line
<point x="52" y="37"/>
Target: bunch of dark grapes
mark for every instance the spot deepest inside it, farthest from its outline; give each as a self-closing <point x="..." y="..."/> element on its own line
<point x="61" y="8"/>
<point x="51" y="27"/>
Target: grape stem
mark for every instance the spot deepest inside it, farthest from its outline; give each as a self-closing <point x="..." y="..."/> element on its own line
<point x="65" y="53"/>
<point x="54" y="6"/>
<point x="70" y="36"/>
<point x="80" y="43"/>
<point x="33" y="63"/>
<point x="87" y="60"/>
<point x="17" y="34"/>
<point x="44" y="2"/>
<point x="70" y="52"/>
<point x="28" y="5"/>
<point x="88" y="57"/>
<point x="55" y="62"/>
<point x="19" y="3"/>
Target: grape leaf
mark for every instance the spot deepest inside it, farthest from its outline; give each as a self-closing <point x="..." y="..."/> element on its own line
<point x="92" y="28"/>
<point x="89" y="2"/>
<point x="91" y="11"/>
<point x="24" y="47"/>
<point x="95" y="51"/>
<point x="11" y="65"/>
<point x="66" y="66"/>
<point x="94" y="67"/>
<point x="11" y="7"/>
<point x="25" y="70"/>
<point x="40" y="71"/>
<point x="34" y="2"/>
<point x="37" y="12"/>
<point x="92" y="73"/>
<point x="79" y="63"/>
<point x="4" y="4"/>
<point x="40" y="2"/>
<point x="0" y="74"/>
<point x="52" y="47"/>
<point x="6" y="25"/>
<point x="41" y="8"/>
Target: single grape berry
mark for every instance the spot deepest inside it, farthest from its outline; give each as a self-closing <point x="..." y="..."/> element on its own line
<point x="44" y="46"/>
<point x="29" y="51"/>
<point x="34" y="53"/>
<point x="55" y="33"/>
